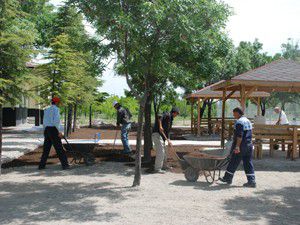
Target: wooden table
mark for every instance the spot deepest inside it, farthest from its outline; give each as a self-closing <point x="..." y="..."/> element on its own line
<point x="286" y="134"/>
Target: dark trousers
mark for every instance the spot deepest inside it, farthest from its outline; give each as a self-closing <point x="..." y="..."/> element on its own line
<point x="51" y="138"/>
<point x="234" y="163"/>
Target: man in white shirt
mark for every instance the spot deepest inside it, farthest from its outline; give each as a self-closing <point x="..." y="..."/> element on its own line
<point x="282" y="118"/>
<point x="51" y="123"/>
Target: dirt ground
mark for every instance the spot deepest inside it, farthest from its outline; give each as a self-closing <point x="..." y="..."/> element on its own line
<point x="102" y="193"/>
<point x="106" y="153"/>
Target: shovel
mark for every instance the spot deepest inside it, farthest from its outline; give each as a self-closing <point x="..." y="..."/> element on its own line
<point x="116" y="135"/>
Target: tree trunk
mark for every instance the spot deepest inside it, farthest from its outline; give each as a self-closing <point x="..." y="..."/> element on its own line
<point x="90" y="117"/>
<point x="209" y="108"/>
<point x="147" y="131"/>
<point x="1" y="118"/>
<point x="263" y="106"/>
<point x="75" y="118"/>
<point x="203" y="108"/>
<point x="69" y="120"/>
<point x="65" y="122"/>
<point x="138" y="163"/>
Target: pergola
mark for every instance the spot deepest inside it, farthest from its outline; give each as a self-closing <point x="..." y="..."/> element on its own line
<point x="207" y="93"/>
<point x="279" y="76"/>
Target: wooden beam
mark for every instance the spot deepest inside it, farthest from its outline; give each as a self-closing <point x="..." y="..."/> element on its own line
<point x="258" y="107"/>
<point x="229" y="95"/>
<point x="295" y="143"/>
<point x="253" y="100"/>
<point x="243" y="97"/>
<point x="199" y="117"/>
<point x="192" y="116"/>
<point x="223" y="119"/>
<point x="250" y="92"/>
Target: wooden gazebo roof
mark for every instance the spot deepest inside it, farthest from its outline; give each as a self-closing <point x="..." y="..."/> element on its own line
<point x="280" y="76"/>
<point x="209" y="93"/>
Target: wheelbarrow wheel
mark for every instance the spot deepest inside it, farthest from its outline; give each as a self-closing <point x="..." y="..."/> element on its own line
<point x="210" y="176"/>
<point x="191" y="174"/>
<point x="89" y="159"/>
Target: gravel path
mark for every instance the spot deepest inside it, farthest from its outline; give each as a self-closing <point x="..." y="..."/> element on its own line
<point x="102" y="194"/>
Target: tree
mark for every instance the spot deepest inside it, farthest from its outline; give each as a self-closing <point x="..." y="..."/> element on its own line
<point x="66" y="76"/>
<point x="291" y="51"/>
<point x="156" y="42"/>
<point x="17" y="36"/>
<point x="42" y="14"/>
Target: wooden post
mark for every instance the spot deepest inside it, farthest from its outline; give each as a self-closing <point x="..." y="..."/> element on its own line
<point x="223" y="119"/>
<point x="295" y="142"/>
<point x="192" y="116"/>
<point x="199" y="117"/>
<point x="258" y="107"/>
<point x="243" y="97"/>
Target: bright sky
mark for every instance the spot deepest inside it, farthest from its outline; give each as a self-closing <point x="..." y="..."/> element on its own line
<point x="271" y="21"/>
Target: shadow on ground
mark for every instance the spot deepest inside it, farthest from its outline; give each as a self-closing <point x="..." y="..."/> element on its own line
<point x="274" y="205"/>
<point x="36" y="200"/>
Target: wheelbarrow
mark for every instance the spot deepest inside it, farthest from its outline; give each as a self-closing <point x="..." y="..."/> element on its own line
<point x="81" y="150"/>
<point x="208" y="163"/>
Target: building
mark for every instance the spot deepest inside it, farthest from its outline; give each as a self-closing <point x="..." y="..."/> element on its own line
<point x="18" y="114"/>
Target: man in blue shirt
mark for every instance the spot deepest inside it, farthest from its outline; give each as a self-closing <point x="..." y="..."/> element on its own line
<point x="242" y="149"/>
<point x="52" y="135"/>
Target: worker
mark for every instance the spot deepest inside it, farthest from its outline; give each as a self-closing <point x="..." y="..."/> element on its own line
<point x="282" y="118"/>
<point x="160" y="135"/>
<point x="123" y="118"/>
<point x="53" y="136"/>
<point x="241" y="149"/>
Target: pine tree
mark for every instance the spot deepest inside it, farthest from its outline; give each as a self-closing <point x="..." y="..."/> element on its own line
<point x="66" y="75"/>
<point x="17" y="36"/>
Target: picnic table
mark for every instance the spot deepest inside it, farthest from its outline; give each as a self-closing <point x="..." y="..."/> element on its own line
<point x="273" y="135"/>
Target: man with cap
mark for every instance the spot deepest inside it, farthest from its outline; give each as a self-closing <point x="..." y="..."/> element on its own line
<point x="51" y="123"/>
<point x="282" y="118"/>
<point x="161" y="132"/>
<point x="241" y="149"/>
<point x="123" y="118"/>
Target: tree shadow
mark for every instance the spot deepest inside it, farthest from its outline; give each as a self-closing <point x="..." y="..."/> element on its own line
<point x="277" y="206"/>
<point x="35" y="201"/>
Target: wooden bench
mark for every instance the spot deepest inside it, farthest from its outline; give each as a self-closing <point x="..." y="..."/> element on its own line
<point x="273" y="134"/>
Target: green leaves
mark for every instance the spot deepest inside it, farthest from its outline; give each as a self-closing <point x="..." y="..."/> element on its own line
<point x="17" y="38"/>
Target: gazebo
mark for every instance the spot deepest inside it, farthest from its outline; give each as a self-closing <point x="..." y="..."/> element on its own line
<point x="206" y="93"/>
<point x="278" y="76"/>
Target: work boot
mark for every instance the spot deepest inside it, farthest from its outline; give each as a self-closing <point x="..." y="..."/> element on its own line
<point x="225" y="180"/>
<point x="250" y="184"/>
<point x="67" y="167"/>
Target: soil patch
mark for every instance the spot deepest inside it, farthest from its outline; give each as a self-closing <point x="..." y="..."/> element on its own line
<point x="106" y="153"/>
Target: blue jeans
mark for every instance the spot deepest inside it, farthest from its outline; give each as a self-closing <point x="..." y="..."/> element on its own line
<point x="124" y="136"/>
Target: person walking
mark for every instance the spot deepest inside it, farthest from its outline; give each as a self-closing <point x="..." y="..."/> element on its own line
<point x="160" y="135"/>
<point x="241" y="149"/>
<point x="124" y="119"/>
<point x="53" y="136"/>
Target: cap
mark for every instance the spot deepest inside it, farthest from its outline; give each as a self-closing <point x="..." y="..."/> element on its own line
<point x="115" y="103"/>
<point x="175" y="110"/>
<point x="56" y="99"/>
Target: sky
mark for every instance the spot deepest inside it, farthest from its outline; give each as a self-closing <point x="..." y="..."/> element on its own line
<point x="271" y="21"/>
